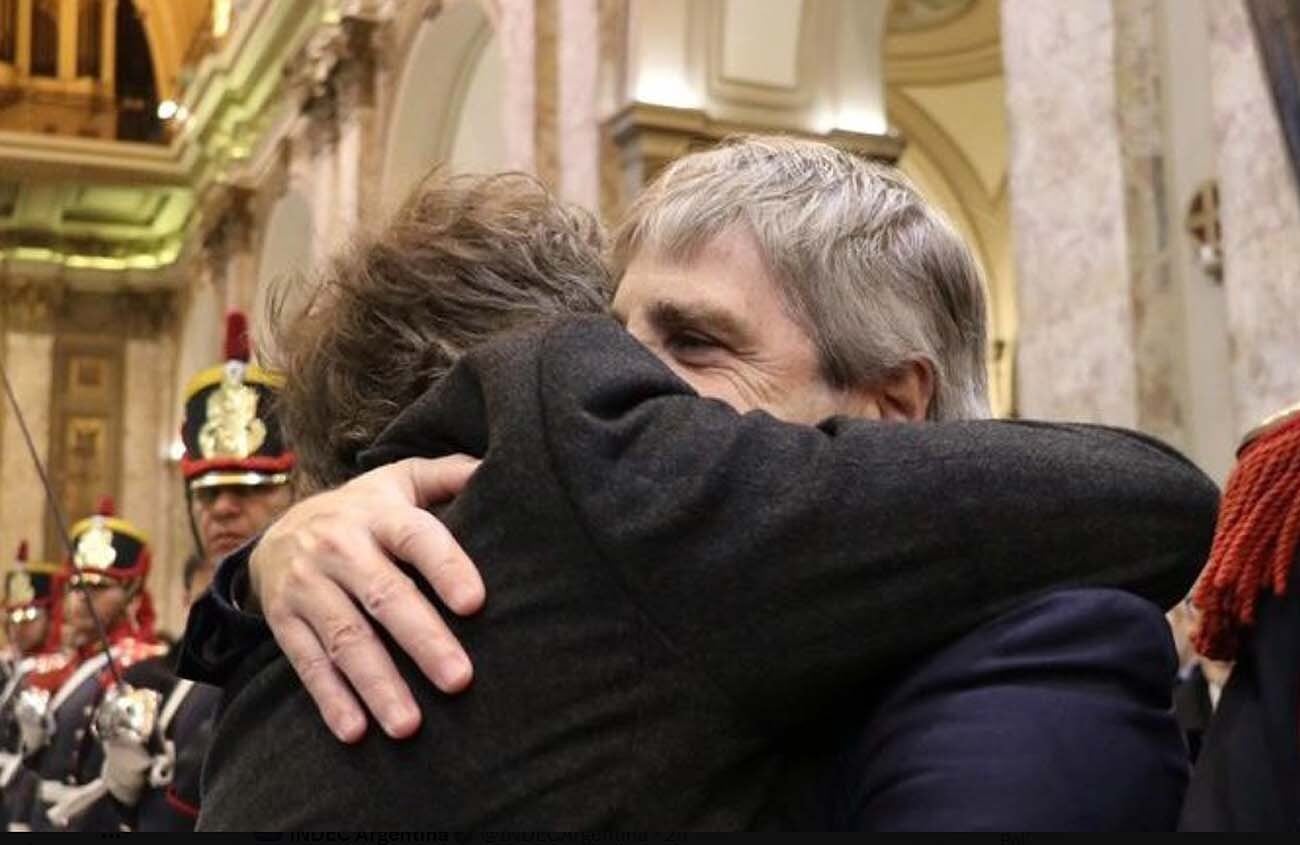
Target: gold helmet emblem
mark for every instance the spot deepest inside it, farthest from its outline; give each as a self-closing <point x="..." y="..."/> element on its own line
<point x="233" y="429"/>
<point x="95" y="547"/>
<point x="21" y="588"/>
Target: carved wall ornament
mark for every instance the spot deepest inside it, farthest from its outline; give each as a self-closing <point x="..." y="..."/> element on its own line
<point x="1206" y="229"/>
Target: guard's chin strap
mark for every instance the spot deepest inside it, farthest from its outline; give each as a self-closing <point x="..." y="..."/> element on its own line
<point x="194" y="527"/>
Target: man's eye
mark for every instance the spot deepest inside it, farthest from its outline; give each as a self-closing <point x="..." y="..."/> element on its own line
<point x="691" y="341"/>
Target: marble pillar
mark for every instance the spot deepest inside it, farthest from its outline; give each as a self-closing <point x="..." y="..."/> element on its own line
<point x="1100" y="321"/>
<point x="321" y="186"/>
<point x="516" y="27"/>
<point x="150" y="481"/>
<point x="579" y="128"/>
<point x="1067" y="201"/>
<point x="1190" y="165"/>
<point x="1159" y="325"/>
<point x="1261" y="223"/>
<point x="29" y="361"/>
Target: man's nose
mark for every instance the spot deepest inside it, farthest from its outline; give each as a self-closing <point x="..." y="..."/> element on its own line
<point x="227" y="503"/>
<point x="75" y="602"/>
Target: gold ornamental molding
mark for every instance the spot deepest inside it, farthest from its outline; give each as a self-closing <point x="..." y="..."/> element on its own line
<point x="97" y="207"/>
<point x="942" y="42"/>
<point x="50" y="307"/>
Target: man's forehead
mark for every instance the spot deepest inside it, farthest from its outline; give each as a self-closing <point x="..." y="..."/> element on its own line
<point x="679" y="305"/>
<point x="691" y="286"/>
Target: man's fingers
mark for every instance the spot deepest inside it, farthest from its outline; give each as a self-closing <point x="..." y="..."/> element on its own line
<point x="387" y="595"/>
<point x="334" y="699"/>
<point x="350" y="644"/>
<point x="437" y="480"/>
<point x="417" y="537"/>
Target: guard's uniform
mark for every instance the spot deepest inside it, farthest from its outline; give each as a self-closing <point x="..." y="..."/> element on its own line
<point x="232" y="438"/>
<point x="32" y="591"/>
<point x="56" y="710"/>
<point x="1247" y="777"/>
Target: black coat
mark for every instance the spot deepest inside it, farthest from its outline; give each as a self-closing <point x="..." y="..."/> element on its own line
<point x="1247" y="777"/>
<point x="676" y="591"/>
<point x="1194" y="708"/>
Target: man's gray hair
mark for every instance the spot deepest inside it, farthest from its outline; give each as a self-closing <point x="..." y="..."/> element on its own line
<point x="875" y="275"/>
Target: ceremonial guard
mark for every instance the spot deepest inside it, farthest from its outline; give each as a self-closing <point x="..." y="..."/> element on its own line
<point x="236" y="473"/>
<point x="110" y="617"/>
<point x="32" y="617"/>
<point x="1247" y="777"/>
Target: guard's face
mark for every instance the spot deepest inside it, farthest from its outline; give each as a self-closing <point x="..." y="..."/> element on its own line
<point x="230" y="515"/>
<point x="28" y="635"/>
<point x="719" y="323"/>
<point x="110" y="604"/>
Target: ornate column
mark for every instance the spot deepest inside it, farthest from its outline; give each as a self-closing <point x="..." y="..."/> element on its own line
<point x="1100" y="319"/>
<point x="151" y="483"/>
<point x="579" y="128"/>
<point x="1261" y="219"/>
<point x="353" y="84"/>
<point x="516" y="27"/>
<point x="333" y="79"/>
<point x="29" y="361"/>
<point x="229" y="250"/>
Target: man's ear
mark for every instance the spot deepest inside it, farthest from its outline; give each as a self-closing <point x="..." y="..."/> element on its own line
<point x="907" y="393"/>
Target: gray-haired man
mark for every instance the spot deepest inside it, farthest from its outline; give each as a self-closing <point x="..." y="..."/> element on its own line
<point x="773" y="275"/>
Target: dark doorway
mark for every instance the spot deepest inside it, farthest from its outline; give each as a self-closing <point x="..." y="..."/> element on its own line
<point x="137" y="92"/>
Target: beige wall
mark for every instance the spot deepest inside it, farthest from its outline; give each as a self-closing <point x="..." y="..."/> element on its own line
<point x="29" y="361"/>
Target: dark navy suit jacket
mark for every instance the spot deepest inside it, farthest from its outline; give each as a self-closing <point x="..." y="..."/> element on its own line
<point x="1055" y="716"/>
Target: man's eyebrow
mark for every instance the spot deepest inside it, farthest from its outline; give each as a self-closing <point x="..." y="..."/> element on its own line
<point x="669" y="316"/>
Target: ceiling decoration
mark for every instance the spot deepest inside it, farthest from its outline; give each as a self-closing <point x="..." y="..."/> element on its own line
<point x="963" y="46"/>
<point x="80" y="204"/>
<point x="916" y="15"/>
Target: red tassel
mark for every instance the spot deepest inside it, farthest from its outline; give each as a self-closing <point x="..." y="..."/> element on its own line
<point x="1255" y="540"/>
<point x="21" y="557"/>
<point x="237" y="344"/>
<point x="106" y="506"/>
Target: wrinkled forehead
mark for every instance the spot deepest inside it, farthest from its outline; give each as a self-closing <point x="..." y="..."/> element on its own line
<point x="725" y="279"/>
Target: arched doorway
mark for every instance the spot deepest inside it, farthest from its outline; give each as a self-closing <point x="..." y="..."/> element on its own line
<point x="448" y="107"/>
<point x="945" y="95"/>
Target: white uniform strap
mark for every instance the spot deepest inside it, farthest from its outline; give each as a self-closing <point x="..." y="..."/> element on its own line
<point x="20" y="671"/>
<point x="89" y="667"/>
<point x="164" y="764"/>
<point x="174" y="701"/>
